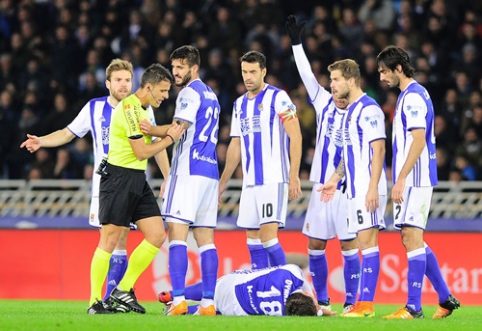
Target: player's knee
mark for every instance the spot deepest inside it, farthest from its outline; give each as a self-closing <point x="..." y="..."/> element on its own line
<point x="315" y="244"/>
<point x="348" y="245"/>
<point x="157" y="239"/>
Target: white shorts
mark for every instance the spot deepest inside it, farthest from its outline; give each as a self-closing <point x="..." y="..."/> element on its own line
<point x="225" y="299"/>
<point x="414" y="209"/>
<point x="358" y="217"/>
<point x="191" y="200"/>
<point x="94" y="212"/>
<point x="324" y="221"/>
<point x="263" y="204"/>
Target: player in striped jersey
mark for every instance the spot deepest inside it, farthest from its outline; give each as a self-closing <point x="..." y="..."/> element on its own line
<point x="363" y="166"/>
<point x="414" y="176"/>
<point x="266" y="137"/>
<point x="194" y="178"/>
<point x="95" y="117"/>
<point x="274" y="291"/>
<point x="324" y="221"/>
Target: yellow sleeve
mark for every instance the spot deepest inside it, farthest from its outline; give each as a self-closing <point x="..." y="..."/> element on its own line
<point x="132" y="113"/>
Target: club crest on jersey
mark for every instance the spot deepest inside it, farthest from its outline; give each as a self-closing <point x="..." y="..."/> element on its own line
<point x="260" y="107"/>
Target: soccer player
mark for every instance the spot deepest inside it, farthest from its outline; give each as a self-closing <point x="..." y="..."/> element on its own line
<point x="324" y="221"/>
<point x="125" y="196"/>
<point x="191" y="197"/>
<point x="414" y="169"/>
<point x="363" y="166"/>
<point x="274" y="291"/>
<point x="95" y="117"/>
<point x="266" y="136"/>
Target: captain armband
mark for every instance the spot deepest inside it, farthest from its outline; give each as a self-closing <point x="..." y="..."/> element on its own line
<point x="288" y="115"/>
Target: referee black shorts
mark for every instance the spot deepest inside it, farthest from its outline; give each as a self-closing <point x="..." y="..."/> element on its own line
<point x="125" y="197"/>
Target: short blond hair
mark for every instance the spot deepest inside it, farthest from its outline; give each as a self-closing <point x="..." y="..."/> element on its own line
<point x="117" y="65"/>
<point x="348" y="68"/>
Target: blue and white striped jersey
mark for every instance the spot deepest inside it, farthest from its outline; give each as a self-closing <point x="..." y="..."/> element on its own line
<point x="195" y="153"/>
<point x="95" y="117"/>
<point x="414" y="110"/>
<point x="363" y="123"/>
<point x="264" y="291"/>
<point x="264" y="142"/>
<point x="327" y="155"/>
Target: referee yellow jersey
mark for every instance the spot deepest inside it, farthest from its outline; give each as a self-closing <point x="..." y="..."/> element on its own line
<point x="124" y="125"/>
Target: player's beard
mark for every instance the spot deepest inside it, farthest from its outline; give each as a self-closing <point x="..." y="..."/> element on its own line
<point x="117" y="96"/>
<point x="185" y="79"/>
<point x="395" y="81"/>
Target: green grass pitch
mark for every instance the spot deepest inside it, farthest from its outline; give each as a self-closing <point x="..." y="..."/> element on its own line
<point x="71" y="315"/>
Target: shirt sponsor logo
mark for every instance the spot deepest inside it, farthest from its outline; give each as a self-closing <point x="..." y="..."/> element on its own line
<point x="105" y="135"/>
<point x="250" y="125"/>
<point x="184" y="103"/>
<point x="414" y="110"/>
<point x="197" y="156"/>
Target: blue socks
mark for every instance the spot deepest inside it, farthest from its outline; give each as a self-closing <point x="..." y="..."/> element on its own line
<point x="259" y="256"/>
<point x="351" y="274"/>
<point x="275" y="252"/>
<point x="435" y="276"/>
<point x="319" y="273"/>
<point x="416" y="271"/>
<point x="117" y="269"/>
<point x="209" y="270"/>
<point x="178" y="269"/>
<point x="369" y="273"/>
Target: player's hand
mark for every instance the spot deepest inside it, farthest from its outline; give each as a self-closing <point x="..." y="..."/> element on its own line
<point x="371" y="200"/>
<point x="163" y="188"/>
<point x="294" y="30"/>
<point x="176" y="131"/>
<point x="32" y="143"/>
<point x="328" y="312"/>
<point x="397" y="191"/>
<point x="222" y="188"/>
<point x="294" y="192"/>
<point x="327" y="191"/>
<point x="145" y="126"/>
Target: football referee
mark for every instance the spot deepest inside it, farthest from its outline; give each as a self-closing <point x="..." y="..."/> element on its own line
<point x="125" y="195"/>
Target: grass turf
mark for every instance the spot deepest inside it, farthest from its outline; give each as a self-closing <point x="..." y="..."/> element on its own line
<point x="71" y="315"/>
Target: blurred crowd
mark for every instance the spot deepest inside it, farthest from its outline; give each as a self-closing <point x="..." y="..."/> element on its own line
<point x="53" y="55"/>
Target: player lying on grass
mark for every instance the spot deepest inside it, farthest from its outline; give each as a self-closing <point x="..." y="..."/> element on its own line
<point x="275" y="291"/>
